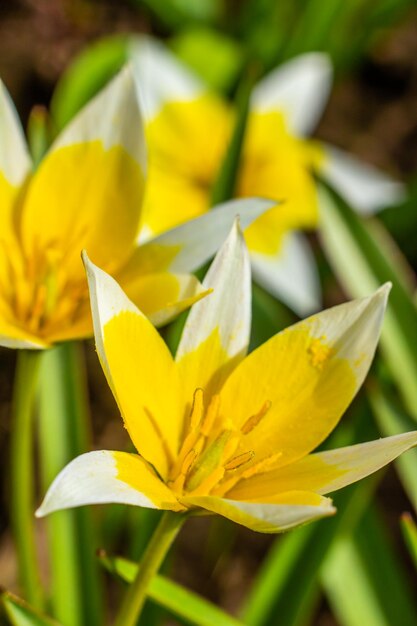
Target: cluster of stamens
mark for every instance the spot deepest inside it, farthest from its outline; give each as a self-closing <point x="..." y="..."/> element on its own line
<point x="38" y="293"/>
<point x="207" y="461"/>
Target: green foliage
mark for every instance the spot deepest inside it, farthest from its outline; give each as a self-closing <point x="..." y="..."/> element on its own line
<point x="214" y="56"/>
<point x="90" y="71"/>
<point x="20" y="613"/>
<point x="176" y="599"/>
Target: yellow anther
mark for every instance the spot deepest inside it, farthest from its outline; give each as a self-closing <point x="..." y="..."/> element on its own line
<point x="319" y="352"/>
<point x="254" y="420"/>
<point x="188" y="461"/>
<point x="239" y="460"/>
<point x="262" y="466"/>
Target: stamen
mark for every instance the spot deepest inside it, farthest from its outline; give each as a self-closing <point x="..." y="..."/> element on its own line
<point x="262" y="466"/>
<point x="254" y="420"/>
<point x="239" y="460"/>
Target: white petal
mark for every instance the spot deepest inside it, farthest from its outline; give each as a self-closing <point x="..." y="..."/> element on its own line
<point x="196" y="241"/>
<point x="112" y="117"/>
<point x="160" y="77"/>
<point x="361" y="185"/>
<point x="299" y="88"/>
<point x="15" y="162"/>
<point x="291" y="275"/>
<point x="228" y="308"/>
<point x="92" y="478"/>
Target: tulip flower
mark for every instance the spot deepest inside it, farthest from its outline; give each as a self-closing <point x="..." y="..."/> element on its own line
<point x="188" y="130"/>
<point x="87" y="193"/>
<point x="217" y="431"/>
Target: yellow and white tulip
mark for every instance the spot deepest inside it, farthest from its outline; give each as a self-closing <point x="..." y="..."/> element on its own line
<point x="87" y="193"/>
<point x="189" y="128"/>
<point x="220" y="431"/>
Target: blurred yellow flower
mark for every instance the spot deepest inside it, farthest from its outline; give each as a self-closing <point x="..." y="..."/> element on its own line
<point x="188" y="130"/>
<point x="220" y="431"/>
<point x="87" y="193"/>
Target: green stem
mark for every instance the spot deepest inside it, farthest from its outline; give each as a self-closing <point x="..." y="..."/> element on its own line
<point x="155" y="553"/>
<point x="22" y="500"/>
<point x="63" y="431"/>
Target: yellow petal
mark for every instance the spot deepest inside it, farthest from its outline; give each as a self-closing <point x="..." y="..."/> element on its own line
<point x="107" y="477"/>
<point x="179" y="132"/>
<point x="290" y="274"/>
<point x="216" y="335"/>
<point x="187" y="247"/>
<point x="288" y="89"/>
<point x="139" y="369"/>
<point x="160" y="77"/>
<point x="15" y="162"/>
<point x="161" y="297"/>
<point x="12" y="336"/>
<point x="277" y="165"/>
<point x="308" y="374"/>
<point x="292" y="510"/>
<point x="325" y="472"/>
<point x="88" y="190"/>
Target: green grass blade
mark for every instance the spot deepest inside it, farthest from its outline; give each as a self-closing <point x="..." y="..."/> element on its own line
<point x="19" y="613"/>
<point x="176" y="599"/>
<point x="63" y="432"/>
<point x="361" y="266"/>
<point x="364" y="580"/>
<point x="287" y="586"/>
<point x="392" y="421"/>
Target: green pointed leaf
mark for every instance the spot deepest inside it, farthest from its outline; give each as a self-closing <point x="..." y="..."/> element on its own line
<point x="286" y="589"/>
<point x="176" y="599"/>
<point x="89" y="73"/>
<point x="362" y="265"/>
<point x="359" y="571"/>
<point x="19" y="613"/>
<point x="392" y="421"/>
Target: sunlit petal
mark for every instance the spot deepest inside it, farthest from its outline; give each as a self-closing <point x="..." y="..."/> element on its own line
<point x="135" y="360"/>
<point x="360" y="184"/>
<point x="299" y="88"/>
<point x="294" y="509"/>
<point x="107" y="477"/>
<point x="188" y="247"/>
<point x="159" y="76"/>
<point x="161" y="297"/>
<point x="96" y="206"/>
<point x="216" y="335"/>
<point x="290" y="274"/>
<point x="327" y="471"/>
<point x="310" y="373"/>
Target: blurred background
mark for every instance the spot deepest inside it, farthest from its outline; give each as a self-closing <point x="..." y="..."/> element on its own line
<point x="372" y="113"/>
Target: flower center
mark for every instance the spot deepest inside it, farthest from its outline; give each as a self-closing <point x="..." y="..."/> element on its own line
<point x="207" y="460"/>
<point x="39" y="295"/>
